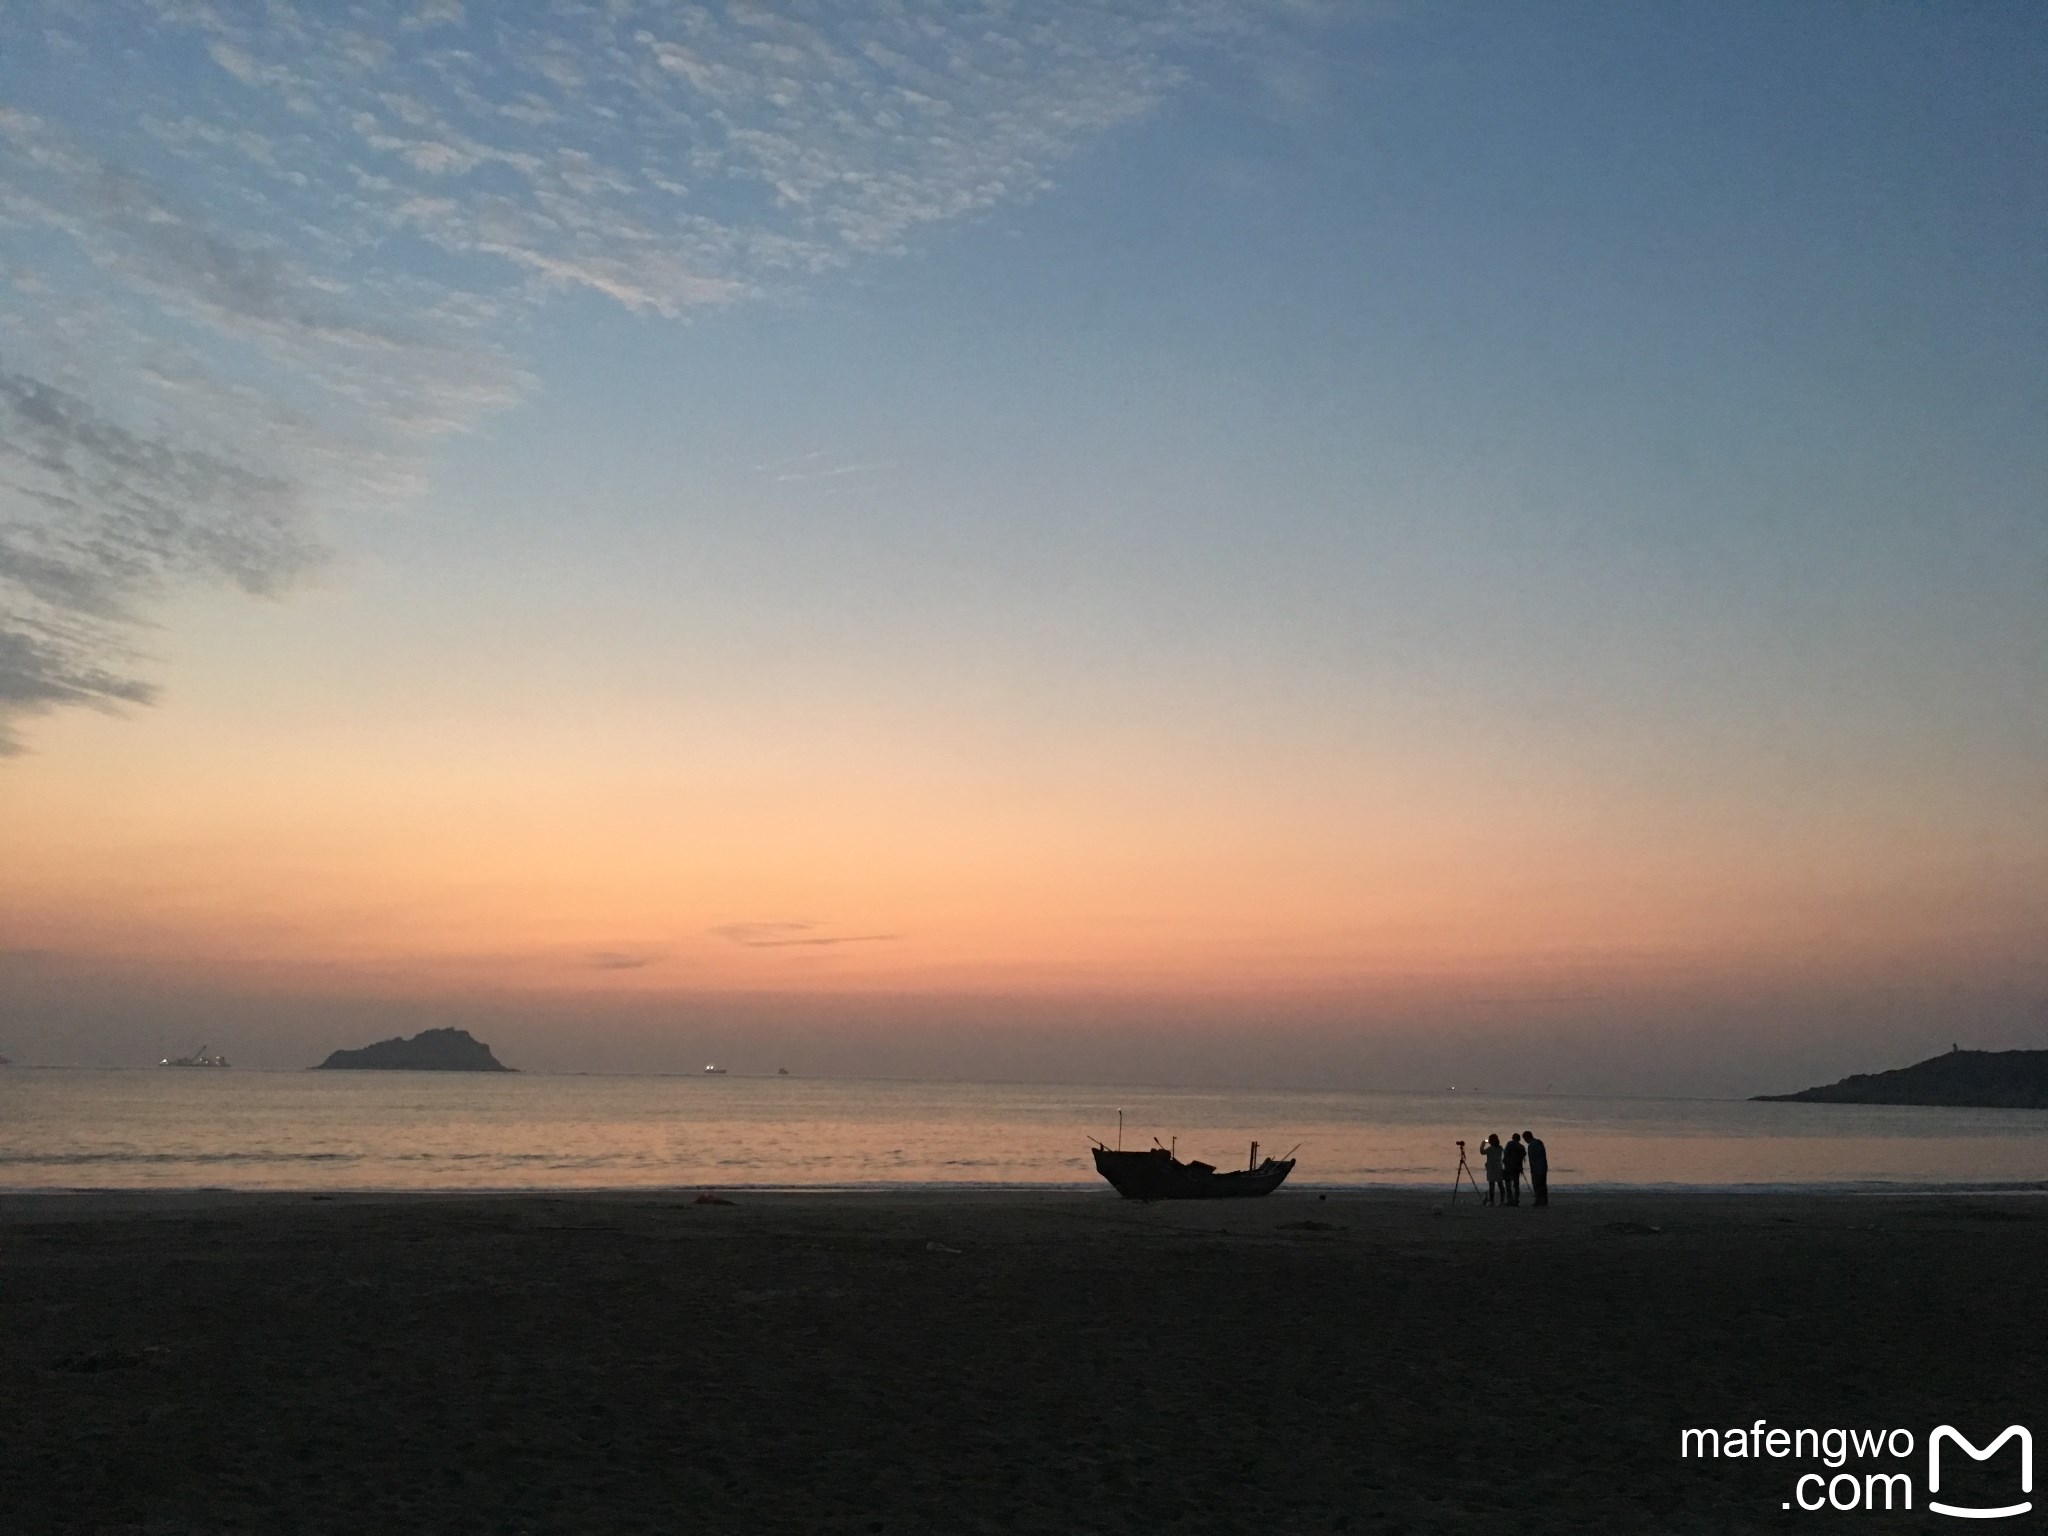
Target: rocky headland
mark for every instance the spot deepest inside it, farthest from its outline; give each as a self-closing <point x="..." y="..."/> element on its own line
<point x="431" y="1050"/>
<point x="1958" y="1078"/>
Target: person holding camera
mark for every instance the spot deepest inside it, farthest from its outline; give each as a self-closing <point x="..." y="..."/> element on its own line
<point x="1496" y="1191"/>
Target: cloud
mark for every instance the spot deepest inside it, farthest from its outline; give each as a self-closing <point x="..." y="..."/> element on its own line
<point x="108" y="519"/>
<point x="434" y="13"/>
<point x="792" y="935"/>
<point x="174" y="405"/>
<point x="270" y="277"/>
<point x="622" y="960"/>
<point x="832" y="472"/>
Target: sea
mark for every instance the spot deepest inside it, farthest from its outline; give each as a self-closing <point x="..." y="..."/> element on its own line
<point x="235" y="1129"/>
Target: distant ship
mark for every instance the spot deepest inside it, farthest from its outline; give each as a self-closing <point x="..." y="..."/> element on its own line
<point x="712" y="1071"/>
<point x="199" y="1058"/>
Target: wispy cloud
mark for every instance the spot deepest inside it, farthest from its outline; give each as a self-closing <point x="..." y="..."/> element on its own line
<point x="827" y="472"/>
<point x="786" y="935"/>
<point x="623" y="959"/>
<point x="264" y="288"/>
<point x="178" y="404"/>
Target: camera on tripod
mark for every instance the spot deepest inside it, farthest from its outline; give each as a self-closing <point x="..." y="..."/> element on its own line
<point x="1463" y="1176"/>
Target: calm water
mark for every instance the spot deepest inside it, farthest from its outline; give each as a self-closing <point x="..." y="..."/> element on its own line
<point x="62" y="1129"/>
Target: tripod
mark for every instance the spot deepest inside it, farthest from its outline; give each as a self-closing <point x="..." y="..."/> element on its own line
<point x="1462" y="1176"/>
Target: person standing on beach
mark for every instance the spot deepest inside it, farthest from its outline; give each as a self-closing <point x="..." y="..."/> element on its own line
<point x="1511" y="1167"/>
<point x="1539" y="1167"/>
<point x="1496" y="1192"/>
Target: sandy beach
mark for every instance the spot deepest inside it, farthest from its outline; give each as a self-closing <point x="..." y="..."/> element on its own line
<point x="997" y="1363"/>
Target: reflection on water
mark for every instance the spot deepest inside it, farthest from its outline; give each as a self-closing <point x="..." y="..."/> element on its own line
<point x="301" y="1130"/>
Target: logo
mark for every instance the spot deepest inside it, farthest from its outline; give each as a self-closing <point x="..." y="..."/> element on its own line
<point x="1967" y="1512"/>
<point x="1853" y="1477"/>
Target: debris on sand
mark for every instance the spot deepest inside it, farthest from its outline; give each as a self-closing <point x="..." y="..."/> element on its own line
<point x="90" y="1362"/>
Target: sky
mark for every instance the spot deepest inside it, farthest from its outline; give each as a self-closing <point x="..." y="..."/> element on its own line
<point x="1206" y="540"/>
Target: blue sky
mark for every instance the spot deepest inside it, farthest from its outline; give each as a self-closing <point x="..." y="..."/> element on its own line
<point x="1619" y="366"/>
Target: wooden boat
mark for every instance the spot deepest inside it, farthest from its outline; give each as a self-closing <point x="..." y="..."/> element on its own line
<point x="1157" y="1174"/>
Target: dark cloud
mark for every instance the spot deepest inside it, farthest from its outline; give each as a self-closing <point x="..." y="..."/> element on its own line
<point x="106" y="519"/>
<point x="138" y="508"/>
<point x="39" y="673"/>
<point x="792" y="935"/>
<point x="621" y="960"/>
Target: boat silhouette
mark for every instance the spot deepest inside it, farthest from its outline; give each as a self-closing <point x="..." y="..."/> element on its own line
<point x="1156" y="1174"/>
<point x="199" y="1058"/>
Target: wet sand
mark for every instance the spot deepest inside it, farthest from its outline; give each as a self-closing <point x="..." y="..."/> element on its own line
<point x="1001" y="1363"/>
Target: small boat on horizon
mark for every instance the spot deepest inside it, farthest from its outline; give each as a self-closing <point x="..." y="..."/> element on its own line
<point x="711" y="1071"/>
<point x="199" y="1058"/>
<point x="1156" y="1174"/>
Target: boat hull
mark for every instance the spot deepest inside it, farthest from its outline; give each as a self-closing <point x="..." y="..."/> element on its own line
<point x="1157" y="1175"/>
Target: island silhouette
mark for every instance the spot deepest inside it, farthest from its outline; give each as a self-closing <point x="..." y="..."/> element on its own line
<point x="1957" y="1078"/>
<point x="431" y="1050"/>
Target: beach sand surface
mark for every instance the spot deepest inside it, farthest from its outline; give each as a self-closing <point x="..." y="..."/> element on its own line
<point x="984" y="1363"/>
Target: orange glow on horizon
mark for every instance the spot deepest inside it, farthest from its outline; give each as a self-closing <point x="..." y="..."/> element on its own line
<point x="658" y="866"/>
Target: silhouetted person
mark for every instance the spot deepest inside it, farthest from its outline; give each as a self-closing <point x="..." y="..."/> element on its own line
<point x="1511" y="1167"/>
<point x="1496" y="1191"/>
<point x="1539" y="1167"/>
